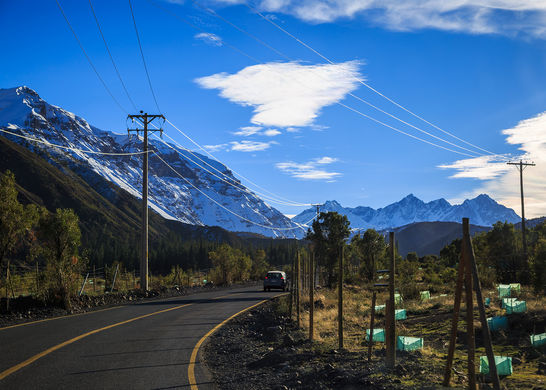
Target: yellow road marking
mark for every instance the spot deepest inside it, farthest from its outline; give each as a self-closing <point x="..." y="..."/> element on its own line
<point x="193" y="357"/>
<point x="58" y="318"/>
<point x="32" y="359"/>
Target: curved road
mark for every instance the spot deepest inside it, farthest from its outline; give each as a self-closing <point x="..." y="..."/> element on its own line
<point x="145" y="345"/>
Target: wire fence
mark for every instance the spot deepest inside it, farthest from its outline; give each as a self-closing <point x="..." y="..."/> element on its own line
<point x="26" y="281"/>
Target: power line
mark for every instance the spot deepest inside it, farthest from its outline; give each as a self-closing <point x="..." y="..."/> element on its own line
<point x="142" y="55"/>
<point x="71" y="148"/>
<point x="89" y="59"/>
<point x="261" y="42"/>
<point x="362" y="82"/>
<point x="235" y="172"/>
<point x="360" y="113"/>
<point x="221" y="205"/>
<point x="231" y="183"/>
<point x="111" y="57"/>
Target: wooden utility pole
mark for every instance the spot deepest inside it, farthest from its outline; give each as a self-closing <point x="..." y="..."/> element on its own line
<point x="521" y="166"/>
<point x="145" y="119"/>
<point x="390" y="328"/>
<point x="311" y="292"/>
<point x="292" y="288"/>
<point x="340" y="301"/>
<point x="298" y="284"/>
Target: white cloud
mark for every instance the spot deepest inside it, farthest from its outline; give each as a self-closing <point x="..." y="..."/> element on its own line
<point x="271" y="132"/>
<point x="209" y="38"/>
<point x="286" y="94"/>
<point x="501" y="180"/>
<point x="325" y="160"/>
<point x="508" y="17"/>
<point x="250" y="146"/>
<point x="240" y="146"/>
<point x="256" y="130"/>
<point x="309" y="170"/>
<point x="248" y="131"/>
<point x="215" y="148"/>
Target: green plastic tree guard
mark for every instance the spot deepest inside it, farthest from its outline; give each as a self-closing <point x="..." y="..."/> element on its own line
<point x="515" y="287"/>
<point x="506" y="301"/>
<point x="397" y="299"/>
<point x="516" y="307"/>
<point x="406" y="343"/>
<point x="400" y="314"/>
<point x="497" y="323"/>
<point x="487" y="302"/>
<point x="379" y="308"/>
<point x="538" y="340"/>
<point x="425" y="295"/>
<point x="378" y="335"/>
<point x="503" y="363"/>
<point x="504" y="290"/>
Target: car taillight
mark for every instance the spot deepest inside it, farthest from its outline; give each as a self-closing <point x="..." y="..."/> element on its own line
<point x="266" y="278"/>
<point x="282" y="278"/>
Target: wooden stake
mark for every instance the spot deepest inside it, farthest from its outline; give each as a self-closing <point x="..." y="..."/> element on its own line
<point x="370" y="341"/>
<point x="340" y="302"/>
<point x="454" y="321"/>
<point x="481" y="306"/>
<point x="390" y="331"/>
<point x="298" y="284"/>
<point x="311" y="297"/>
<point x="469" y="320"/>
<point x="292" y="284"/>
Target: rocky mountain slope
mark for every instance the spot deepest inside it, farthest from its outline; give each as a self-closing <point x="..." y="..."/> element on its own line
<point x="203" y="198"/>
<point x="482" y="211"/>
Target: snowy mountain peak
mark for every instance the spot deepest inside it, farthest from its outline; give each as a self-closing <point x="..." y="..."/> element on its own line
<point x="200" y="191"/>
<point x="481" y="210"/>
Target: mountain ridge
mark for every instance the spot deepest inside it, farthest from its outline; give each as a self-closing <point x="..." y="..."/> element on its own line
<point x="200" y="198"/>
<point x="481" y="210"/>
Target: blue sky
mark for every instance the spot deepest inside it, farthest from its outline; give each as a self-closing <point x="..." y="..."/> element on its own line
<point x="472" y="68"/>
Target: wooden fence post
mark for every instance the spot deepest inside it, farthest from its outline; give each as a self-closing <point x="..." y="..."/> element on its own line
<point x="298" y="284"/>
<point x="390" y="331"/>
<point x="481" y="306"/>
<point x="370" y="340"/>
<point x="311" y="294"/>
<point x="340" y="301"/>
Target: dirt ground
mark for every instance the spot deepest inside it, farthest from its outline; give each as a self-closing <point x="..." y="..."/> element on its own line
<point x="263" y="349"/>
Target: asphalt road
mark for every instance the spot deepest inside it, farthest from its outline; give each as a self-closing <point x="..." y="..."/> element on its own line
<point x="145" y="345"/>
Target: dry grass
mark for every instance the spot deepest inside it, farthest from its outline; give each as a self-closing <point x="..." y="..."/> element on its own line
<point x="431" y="320"/>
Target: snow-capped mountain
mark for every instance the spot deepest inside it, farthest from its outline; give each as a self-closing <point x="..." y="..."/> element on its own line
<point x="482" y="211"/>
<point x="205" y="198"/>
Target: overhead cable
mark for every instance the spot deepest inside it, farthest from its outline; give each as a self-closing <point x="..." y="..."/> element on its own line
<point x="71" y="148"/>
<point x="111" y="57"/>
<point x="221" y="205"/>
<point x="232" y="182"/>
<point x="89" y="59"/>
<point x="362" y="82"/>
<point x="261" y="42"/>
<point x="142" y="56"/>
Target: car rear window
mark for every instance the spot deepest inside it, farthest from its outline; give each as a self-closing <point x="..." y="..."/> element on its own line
<point x="273" y="275"/>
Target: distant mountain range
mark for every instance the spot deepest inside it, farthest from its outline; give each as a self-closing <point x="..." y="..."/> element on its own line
<point x="203" y="199"/>
<point x="482" y="211"/>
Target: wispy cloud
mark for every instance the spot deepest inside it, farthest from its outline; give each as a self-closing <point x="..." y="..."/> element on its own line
<point x="250" y="146"/>
<point x="509" y="17"/>
<point x="311" y="170"/>
<point x="502" y="180"/>
<point x="241" y="146"/>
<point x="286" y="94"/>
<point x="256" y="130"/>
<point x="209" y="38"/>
